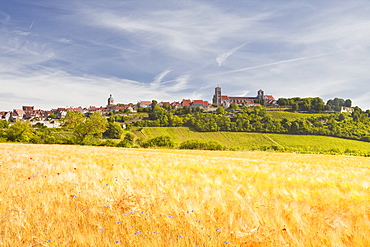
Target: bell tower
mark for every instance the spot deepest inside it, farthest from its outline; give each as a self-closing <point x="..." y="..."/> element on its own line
<point x="260" y="94"/>
<point x="110" y="100"/>
<point x="217" y="97"/>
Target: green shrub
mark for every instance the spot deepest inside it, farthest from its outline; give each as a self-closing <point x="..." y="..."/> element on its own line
<point x="108" y="143"/>
<point x="128" y="141"/>
<point x="124" y="144"/>
<point x="159" y="141"/>
<point x="201" y="145"/>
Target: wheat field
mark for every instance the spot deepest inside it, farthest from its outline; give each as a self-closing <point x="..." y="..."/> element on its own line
<point x="53" y="195"/>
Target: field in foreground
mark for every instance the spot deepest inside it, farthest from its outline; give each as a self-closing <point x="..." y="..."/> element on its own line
<point x="54" y="195"/>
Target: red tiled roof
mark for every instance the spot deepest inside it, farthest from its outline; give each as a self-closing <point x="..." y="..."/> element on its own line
<point x="73" y="109"/>
<point x="19" y="112"/>
<point x="239" y="98"/>
<point x="186" y="102"/>
<point x="27" y="108"/>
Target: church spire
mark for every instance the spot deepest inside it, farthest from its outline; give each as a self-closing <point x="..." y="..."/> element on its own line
<point x="110" y="100"/>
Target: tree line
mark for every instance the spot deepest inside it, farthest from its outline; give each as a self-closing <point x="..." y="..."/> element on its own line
<point x="314" y="104"/>
<point x="92" y="129"/>
<point x="236" y="118"/>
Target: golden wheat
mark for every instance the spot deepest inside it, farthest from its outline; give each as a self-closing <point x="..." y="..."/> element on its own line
<point x="54" y="195"/>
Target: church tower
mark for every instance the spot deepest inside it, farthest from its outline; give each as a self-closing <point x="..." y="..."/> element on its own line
<point x="260" y="95"/>
<point x="110" y="100"/>
<point x="217" y="96"/>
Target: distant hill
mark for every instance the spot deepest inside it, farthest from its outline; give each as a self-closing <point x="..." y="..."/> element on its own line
<point x="261" y="141"/>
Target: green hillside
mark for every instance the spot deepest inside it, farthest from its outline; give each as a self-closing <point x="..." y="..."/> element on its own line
<point x="291" y="116"/>
<point x="261" y="141"/>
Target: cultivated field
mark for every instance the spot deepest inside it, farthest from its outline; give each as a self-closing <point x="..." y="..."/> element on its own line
<point x="54" y="195"/>
<point x="262" y="141"/>
<point x="291" y="116"/>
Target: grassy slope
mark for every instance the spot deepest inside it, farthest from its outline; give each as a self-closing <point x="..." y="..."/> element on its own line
<point x="251" y="141"/>
<point x="54" y="195"/>
<point x="291" y="116"/>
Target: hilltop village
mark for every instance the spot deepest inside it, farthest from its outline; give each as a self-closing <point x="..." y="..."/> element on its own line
<point x="46" y="117"/>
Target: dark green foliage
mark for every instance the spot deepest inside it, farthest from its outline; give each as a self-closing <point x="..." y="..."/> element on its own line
<point x="336" y="104"/>
<point x="365" y="138"/>
<point x="85" y="129"/>
<point x="52" y="116"/>
<point x="20" y="132"/>
<point x="128" y="141"/>
<point x="114" y="131"/>
<point x="201" y="145"/>
<point x="108" y="143"/>
<point x="39" y="126"/>
<point x="244" y="119"/>
<point x="159" y="141"/>
<point x="4" y="124"/>
<point x="303" y="104"/>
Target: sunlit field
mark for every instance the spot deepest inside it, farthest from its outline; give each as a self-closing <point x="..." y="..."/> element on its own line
<point x="54" y="195"/>
<point x="251" y="141"/>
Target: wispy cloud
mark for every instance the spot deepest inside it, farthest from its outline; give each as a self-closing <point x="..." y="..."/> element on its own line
<point x="33" y="22"/>
<point x="220" y="59"/>
<point x="269" y="64"/>
<point x="158" y="79"/>
<point x="70" y="53"/>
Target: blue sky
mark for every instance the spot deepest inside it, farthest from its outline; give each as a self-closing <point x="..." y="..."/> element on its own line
<point x="76" y="53"/>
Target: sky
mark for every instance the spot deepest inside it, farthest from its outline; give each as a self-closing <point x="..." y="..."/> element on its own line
<point x="77" y="52"/>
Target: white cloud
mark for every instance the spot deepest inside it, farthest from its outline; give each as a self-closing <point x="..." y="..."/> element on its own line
<point x="166" y="50"/>
<point x="158" y="79"/>
<point x="220" y="59"/>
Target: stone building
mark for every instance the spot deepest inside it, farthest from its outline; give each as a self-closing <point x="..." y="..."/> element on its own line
<point x="224" y="100"/>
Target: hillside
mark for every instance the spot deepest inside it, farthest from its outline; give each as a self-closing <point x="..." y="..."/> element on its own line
<point x="53" y="195"/>
<point x="292" y="116"/>
<point x="261" y="141"/>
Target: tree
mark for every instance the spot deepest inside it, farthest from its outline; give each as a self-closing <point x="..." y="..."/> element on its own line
<point x="220" y="110"/>
<point x="52" y="116"/>
<point x="157" y="111"/>
<point x="234" y="106"/>
<point x="20" y="132"/>
<point x="348" y="103"/>
<point x="317" y="104"/>
<point x="114" y="130"/>
<point x="294" y="107"/>
<point x="283" y="102"/>
<point x="4" y="124"/>
<point x="83" y="127"/>
<point x="128" y="141"/>
<point x="159" y="141"/>
<point x="154" y="104"/>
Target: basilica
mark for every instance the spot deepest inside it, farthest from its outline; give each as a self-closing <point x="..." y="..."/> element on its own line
<point x="224" y="100"/>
